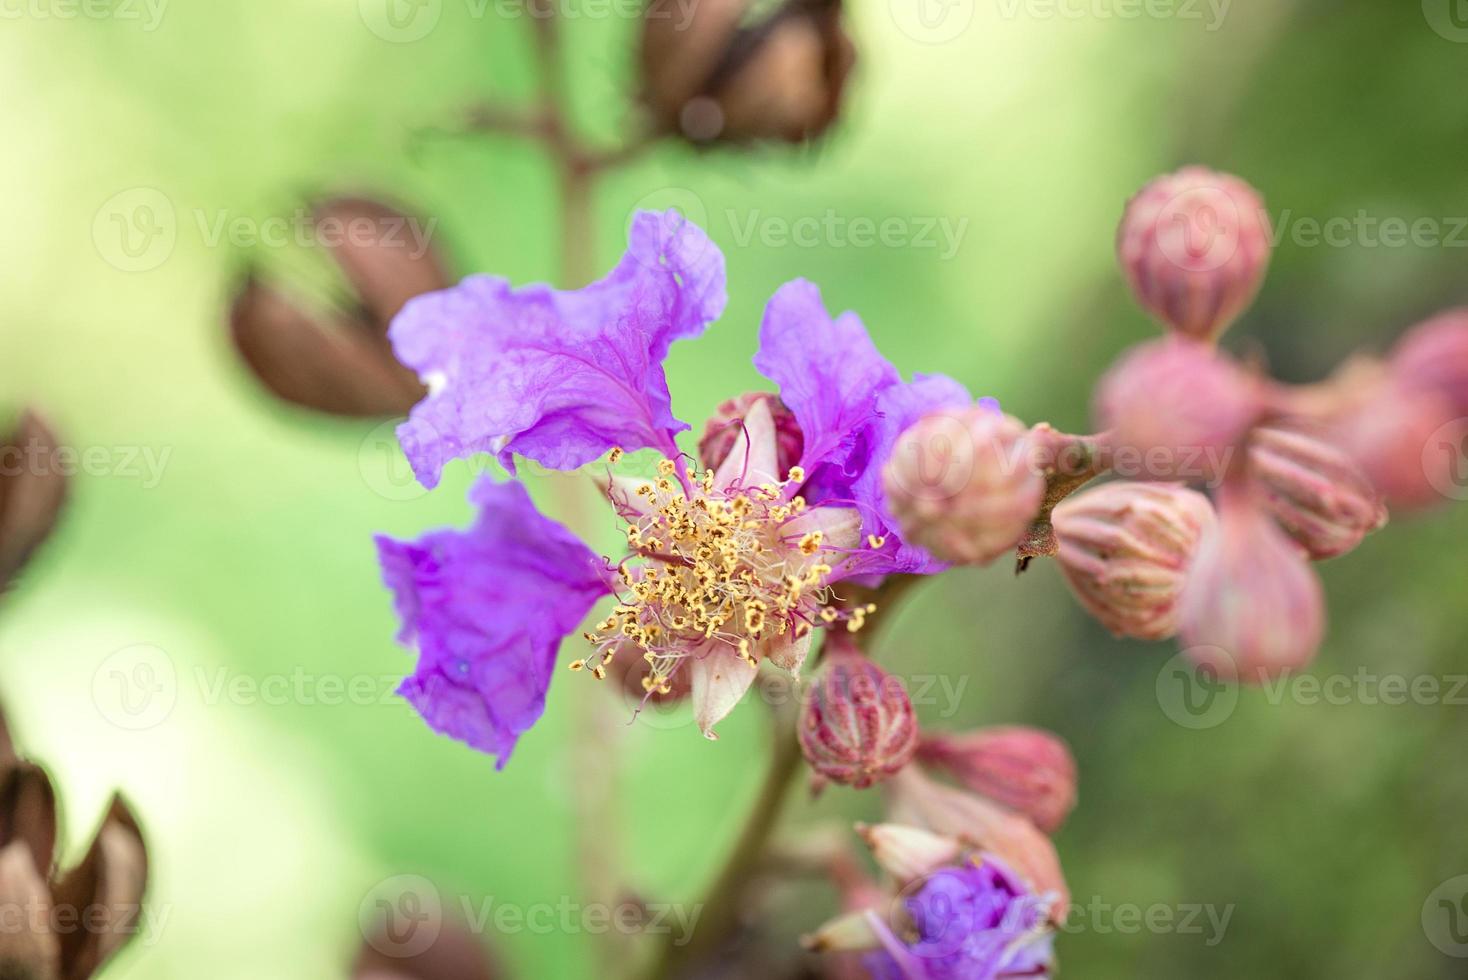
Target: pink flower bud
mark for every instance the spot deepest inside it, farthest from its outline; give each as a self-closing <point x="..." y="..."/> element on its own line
<point x="1434" y="356"/>
<point x="962" y="484"/>
<point x="1253" y="608"/>
<point x="1396" y="437"/>
<point x="1195" y="246"/>
<point x="1176" y="411"/>
<point x="1026" y="769"/>
<point x="1125" y="549"/>
<point x="726" y="428"/>
<point x="1314" y="490"/>
<point x="856" y="724"/>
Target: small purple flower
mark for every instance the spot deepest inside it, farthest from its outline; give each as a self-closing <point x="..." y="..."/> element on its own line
<point x="724" y="568"/>
<point x="975" y="921"/>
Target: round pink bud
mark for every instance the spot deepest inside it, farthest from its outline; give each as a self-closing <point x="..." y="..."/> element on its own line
<point x="1176" y="410"/>
<point x="1125" y="549"/>
<point x="962" y="484"/>
<point x="1401" y="438"/>
<point x="1434" y="357"/>
<point x="1253" y="608"/>
<point x="1026" y="769"/>
<point x="726" y="427"/>
<point x="1195" y="246"/>
<point x="856" y="724"/>
<point x="1315" y="490"/>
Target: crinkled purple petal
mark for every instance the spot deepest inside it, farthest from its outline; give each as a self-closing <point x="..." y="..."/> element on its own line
<point x="898" y="407"/>
<point x="830" y="375"/>
<point x="559" y="377"/>
<point x="973" y="923"/>
<point x="487" y="609"/>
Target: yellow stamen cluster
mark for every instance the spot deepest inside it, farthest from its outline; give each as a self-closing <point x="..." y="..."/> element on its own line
<point x="714" y="565"/>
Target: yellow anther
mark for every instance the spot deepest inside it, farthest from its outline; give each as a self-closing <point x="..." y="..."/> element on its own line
<point x="797" y="474"/>
<point x="615" y="456"/>
<point x="810" y="543"/>
<point x="876" y="541"/>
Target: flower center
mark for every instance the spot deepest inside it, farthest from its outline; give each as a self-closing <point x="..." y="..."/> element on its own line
<point x="737" y="566"/>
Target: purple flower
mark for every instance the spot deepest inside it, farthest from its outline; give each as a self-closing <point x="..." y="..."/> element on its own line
<point x="970" y="922"/>
<point x="724" y="568"/>
<point x="558" y="377"/>
<point x="487" y="608"/>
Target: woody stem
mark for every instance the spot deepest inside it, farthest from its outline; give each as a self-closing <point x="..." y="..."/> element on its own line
<point x="1069" y="462"/>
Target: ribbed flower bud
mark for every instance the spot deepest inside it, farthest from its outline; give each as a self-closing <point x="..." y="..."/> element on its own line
<point x="1434" y="357"/>
<point x="724" y="430"/>
<point x="1253" y="608"/>
<point x="1195" y="246"/>
<point x="962" y="484"/>
<point x="1176" y="411"/>
<point x="1029" y="770"/>
<point x="1314" y="490"/>
<point x="1125" y="549"/>
<point x="711" y="74"/>
<point x="856" y="724"/>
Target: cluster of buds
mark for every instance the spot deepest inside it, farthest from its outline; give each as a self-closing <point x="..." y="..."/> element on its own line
<point x="341" y="362"/>
<point x="711" y="73"/>
<point x="1300" y="474"/>
<point x="32" y="492"/>
<point x="62" y="925"/>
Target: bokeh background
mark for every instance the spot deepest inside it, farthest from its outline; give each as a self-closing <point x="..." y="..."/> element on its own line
<point x="247" y="558"/>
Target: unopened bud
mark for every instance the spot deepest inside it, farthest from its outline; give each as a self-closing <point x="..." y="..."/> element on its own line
<point x="909" y="853"/>
<point x="1434" y="357"/>
<point x="962" y="485"/>
<point x="1397" y="438"/>
<point x="1314" y="490"/>
<point x="1253" y="608"/>
<point x="1195" y="246"/>
<point x="726" y="428"/>
<point x="1176" y="410"/>
<point x="1028" y="770"/>
<point x="1125" y="549"/>
<point x="33" y="489"/>
<point x="711" y="76"/>
<point x="856" y="724"/>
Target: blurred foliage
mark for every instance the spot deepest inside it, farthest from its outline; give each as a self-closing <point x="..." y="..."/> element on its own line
<point x="1324" y="826"/>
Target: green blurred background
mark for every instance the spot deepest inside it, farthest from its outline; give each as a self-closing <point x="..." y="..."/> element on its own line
<point x="1325" y="826"/>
